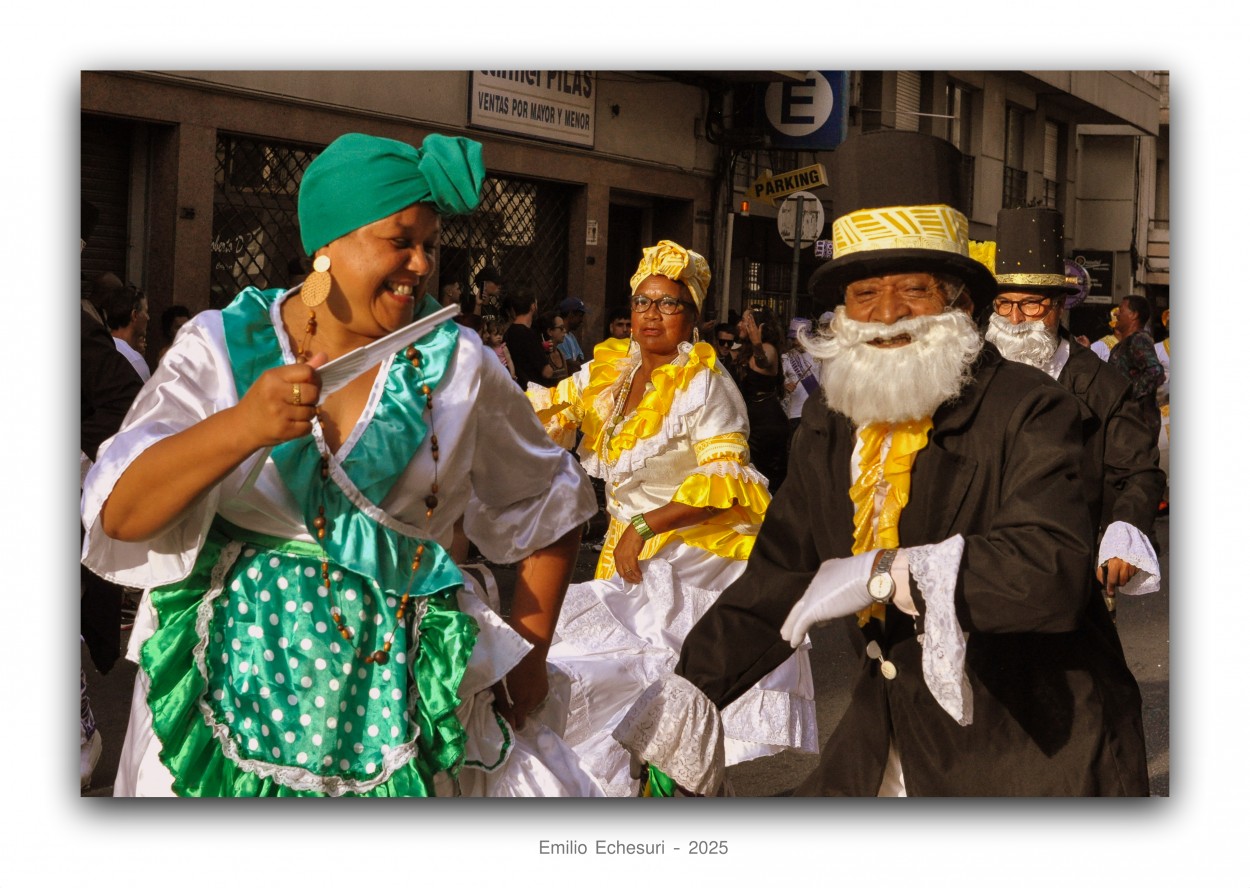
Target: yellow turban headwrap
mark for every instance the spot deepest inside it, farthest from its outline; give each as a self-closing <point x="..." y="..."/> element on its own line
<point x="675" y="263"/>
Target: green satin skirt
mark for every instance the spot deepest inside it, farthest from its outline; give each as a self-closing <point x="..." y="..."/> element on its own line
<point x="255" y="693"/>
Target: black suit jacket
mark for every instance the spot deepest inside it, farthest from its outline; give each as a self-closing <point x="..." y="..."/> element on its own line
<point x="1121" y="461"/>
<point x="1056" y="710"/>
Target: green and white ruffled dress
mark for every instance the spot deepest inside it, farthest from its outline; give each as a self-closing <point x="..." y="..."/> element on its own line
<point x="246" y="686"/>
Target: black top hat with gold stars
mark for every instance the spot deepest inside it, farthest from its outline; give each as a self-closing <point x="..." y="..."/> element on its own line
<point x="897" y="207"/>
<point x="1028" y="252"/>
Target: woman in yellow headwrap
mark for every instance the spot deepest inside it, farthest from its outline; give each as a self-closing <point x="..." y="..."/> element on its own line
<point x="666" y="429"/>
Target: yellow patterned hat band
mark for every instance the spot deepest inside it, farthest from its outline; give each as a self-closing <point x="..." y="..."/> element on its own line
<point x="676" y="263"/>
<point x="933" y="227"/>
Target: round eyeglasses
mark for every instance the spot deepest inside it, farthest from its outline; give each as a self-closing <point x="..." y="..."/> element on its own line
<point x="666" y="304"/>
<point x="1030" y="308"/>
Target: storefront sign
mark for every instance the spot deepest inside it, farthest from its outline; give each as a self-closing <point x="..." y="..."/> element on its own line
<point x="554" y="105"/>
<point x="768" y="188"/>
<point x="1101" y="267"/>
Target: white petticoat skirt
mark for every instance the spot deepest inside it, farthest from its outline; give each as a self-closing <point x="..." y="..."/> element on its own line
<point x="614" y="639"/>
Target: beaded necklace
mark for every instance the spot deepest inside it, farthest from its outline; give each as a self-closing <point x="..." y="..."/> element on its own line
<point x="321" y="524"/>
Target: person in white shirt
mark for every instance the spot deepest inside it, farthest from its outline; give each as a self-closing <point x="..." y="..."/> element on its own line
<point x="126" y="313"/>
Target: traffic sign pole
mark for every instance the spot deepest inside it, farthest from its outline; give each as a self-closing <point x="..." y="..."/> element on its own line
<point x="794" y="266"/>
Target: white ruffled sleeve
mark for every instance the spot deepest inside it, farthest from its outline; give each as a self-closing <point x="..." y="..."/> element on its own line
<point x="179" y="395"/>
<point x="527" y="491"/>
<point x="1124" y="541"/>
<point x="935" y="568"/>
<point x="676" y="727"/>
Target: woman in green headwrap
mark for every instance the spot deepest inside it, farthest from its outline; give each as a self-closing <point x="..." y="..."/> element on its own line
<point x="303" y="629"/>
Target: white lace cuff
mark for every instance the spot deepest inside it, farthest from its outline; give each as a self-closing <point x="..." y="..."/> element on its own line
<point x="676" y="727"/>
<point x="1124" y="541"/>
<point x="936" y="569"/>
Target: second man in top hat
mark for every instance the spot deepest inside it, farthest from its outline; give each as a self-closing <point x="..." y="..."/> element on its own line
<point x="1123" y="482"/>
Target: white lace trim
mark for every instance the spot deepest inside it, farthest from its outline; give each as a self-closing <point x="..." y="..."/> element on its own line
<point x="685" y="402"/>
<point x="732" y="469"/>
<point x="936" y="569"/>
<point x="1124" y="541"/>
<point x="676" y="727"/>
<point x="292" y="776"/>
<point x="775" y="718"/>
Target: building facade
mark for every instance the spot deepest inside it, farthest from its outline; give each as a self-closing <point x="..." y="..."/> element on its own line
<point x="196" y="174"/>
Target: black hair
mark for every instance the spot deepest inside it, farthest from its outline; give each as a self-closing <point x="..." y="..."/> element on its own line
<point x="545" y="321"/>
<point x="1140" y="306"/>
<point x="171" y="314"/>
<point x="517" y="302"/>
<point x="770" y="329"/>
<point x="119" y="306"/>
<point x="622" y="313"/>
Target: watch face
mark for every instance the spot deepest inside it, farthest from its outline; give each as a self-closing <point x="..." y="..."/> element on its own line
<point x="881" y="587"/>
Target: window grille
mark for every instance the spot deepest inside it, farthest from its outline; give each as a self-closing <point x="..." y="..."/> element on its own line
<point x="255" y="227"/>
<point x="521" y="228"/>
<point x="1015" y="188"/>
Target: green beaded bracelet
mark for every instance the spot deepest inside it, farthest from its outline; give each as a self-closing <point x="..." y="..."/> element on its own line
<point x="640" y="524"/>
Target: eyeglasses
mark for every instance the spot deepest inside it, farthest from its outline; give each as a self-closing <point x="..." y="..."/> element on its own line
<point x="666" y="304"/>
<point x="728" y="343"/>
<point x="558" y="327"/>
<point x="1030" y="308"/>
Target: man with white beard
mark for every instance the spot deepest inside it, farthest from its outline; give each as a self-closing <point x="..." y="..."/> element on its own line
<point x="936" y="507"/>
<point x="1123" y="481"/>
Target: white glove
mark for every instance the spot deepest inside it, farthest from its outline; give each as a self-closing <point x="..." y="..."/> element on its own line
<point x="839" y="588"/>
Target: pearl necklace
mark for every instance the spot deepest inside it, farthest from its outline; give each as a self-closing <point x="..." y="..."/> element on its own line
<point x="618" y="406"/>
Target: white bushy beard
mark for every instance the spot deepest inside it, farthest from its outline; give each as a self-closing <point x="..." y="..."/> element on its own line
<point x="1028" y="342"/>
<point x="871" y="384"/>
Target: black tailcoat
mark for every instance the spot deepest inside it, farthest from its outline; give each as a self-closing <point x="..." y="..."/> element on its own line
<point x="1121" y="463"/>
<point x="1056" y="710"/>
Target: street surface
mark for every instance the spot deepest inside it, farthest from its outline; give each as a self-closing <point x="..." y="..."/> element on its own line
<point x="1142" y="621"/>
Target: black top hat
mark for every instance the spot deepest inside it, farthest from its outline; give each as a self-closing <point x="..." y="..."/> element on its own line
<point x="1028" y="252"/>
<point x="897" y="207"/>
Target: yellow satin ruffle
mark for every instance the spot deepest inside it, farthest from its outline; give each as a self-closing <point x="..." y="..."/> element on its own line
<point x="557" y="411"/>
<point x="745" y="498"/>
<point x="908" y="439"/>
<point x="717" y="535"/>
<point x="611" y="362"/>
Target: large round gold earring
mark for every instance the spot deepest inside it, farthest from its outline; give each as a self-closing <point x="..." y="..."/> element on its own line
<point x="316" y="287"/>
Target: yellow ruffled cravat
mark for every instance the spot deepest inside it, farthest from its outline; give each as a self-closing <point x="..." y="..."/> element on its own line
<point x="907" y="439"/>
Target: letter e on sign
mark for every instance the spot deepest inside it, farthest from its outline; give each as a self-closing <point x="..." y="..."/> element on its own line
<point x="799" y="109"/>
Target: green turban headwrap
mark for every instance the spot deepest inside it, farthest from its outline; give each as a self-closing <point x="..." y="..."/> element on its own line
<point x="360" y="179"/>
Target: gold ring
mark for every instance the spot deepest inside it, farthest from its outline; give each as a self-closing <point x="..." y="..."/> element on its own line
<point x="295" y="395"/>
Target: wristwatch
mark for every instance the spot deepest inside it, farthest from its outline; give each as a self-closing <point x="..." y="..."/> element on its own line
<point x="881" y="584"/>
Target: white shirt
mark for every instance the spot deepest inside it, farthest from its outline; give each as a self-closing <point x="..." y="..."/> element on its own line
<point x="135" y="359"/>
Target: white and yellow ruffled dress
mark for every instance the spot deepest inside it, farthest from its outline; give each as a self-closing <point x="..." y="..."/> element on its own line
<point x="685" y="442"/>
